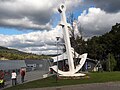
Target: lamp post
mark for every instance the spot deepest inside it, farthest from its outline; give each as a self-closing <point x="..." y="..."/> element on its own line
<point x="57" y="59"/>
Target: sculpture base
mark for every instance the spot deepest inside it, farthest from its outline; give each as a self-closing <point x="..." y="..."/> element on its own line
<point x="77" y="76"/>
<point x="73" y="75"/>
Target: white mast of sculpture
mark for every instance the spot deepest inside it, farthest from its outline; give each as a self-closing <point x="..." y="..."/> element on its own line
<point x="62" y="10"/>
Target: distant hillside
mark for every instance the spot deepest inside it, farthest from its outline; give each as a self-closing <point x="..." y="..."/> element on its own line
<point x="13" y="54"/>
<point x="10" y="50"/>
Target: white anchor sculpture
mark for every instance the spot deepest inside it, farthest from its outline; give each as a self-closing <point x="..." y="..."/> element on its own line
<point x="73" y="71"/>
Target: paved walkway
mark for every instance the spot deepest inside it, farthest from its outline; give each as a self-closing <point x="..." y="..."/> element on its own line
<point x="95" y="86"/>
<point x="30" y="76"/>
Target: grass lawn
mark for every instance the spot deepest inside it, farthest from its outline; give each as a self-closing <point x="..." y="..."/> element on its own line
<point x="51" y="81"/>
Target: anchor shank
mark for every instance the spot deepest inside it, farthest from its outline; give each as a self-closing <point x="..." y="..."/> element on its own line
<point x="67" y="40"/>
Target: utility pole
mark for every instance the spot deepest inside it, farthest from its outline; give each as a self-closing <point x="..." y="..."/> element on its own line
<point x="57" y="59"/>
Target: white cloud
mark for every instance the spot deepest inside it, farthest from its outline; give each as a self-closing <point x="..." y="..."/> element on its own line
<point x="30" y="14"/>
<point x="35" y="42"/>
<point x="107" y="5"/>
<point x="97" y="21"/>
<point x="71" y="5"/>
<point x="26" y="14"/>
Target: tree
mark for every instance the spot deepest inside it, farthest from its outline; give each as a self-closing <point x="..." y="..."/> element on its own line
<point x="76" y="40"/>
<point x="110" y="62"/>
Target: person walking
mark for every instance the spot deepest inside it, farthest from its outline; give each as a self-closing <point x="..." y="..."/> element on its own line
<point x="1" y="78"/>
<point x="22" y="72"/>
<point x="14" y="78"/>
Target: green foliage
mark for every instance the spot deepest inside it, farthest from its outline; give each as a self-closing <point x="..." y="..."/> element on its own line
<point x="98" y="47"/>
<point x="110" y="62"/>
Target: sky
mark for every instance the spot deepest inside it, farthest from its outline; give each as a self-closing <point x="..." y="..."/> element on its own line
<point x="32" y="25"/>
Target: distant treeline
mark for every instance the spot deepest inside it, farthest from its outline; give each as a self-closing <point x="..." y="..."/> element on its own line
<point x="12" y="54"/>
